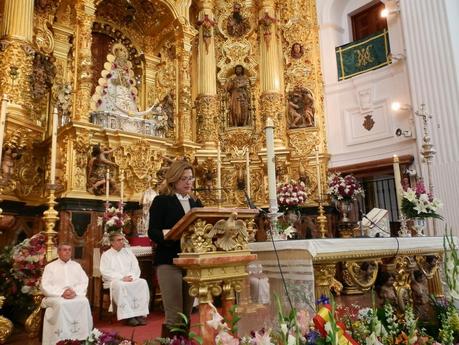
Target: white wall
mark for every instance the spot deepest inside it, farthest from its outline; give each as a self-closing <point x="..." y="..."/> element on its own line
<point x="429" y="75"/>
<point x="349" y="102"/>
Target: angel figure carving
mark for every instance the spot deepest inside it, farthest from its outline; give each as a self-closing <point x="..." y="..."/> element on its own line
<point x="228" y="232"/>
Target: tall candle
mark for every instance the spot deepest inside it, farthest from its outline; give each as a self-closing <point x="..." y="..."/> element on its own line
<point x="3" y="110"/>
<point x="398" y="183"/>
<point x="269" y="132"/>
<point x="319" y="180"/>
<point x="52" y="175"/>
<point x="219" y="174"/>
<point x="247" y="171"/>
<point x="121" y="186"/>
<point x="107" y="184"/>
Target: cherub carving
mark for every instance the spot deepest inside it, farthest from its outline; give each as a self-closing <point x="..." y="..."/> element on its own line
<point x="229" y="233"/>
<point x="97" y="169"/>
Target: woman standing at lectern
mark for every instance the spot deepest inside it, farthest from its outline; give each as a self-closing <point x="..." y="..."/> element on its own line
<point x="174" y="200"/>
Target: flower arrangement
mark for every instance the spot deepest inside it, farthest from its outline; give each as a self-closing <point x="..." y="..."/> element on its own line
<point x="334" y="325"/>
<point x="291" y="195"/>
<point x="28" y="262"/>
<point x="114" y="219"/>
<point x="345" y="188"/>
<point x="418" y="203"/>
<point x="98" y="337"/>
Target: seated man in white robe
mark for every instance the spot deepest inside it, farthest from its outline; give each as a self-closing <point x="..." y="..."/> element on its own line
<point x="68" y="314"/>
<point x="121" y="274"/>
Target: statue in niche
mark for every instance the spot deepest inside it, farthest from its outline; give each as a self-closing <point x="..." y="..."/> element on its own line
<point x="97" y="171"/>
<point x="119" y="92"/>
<point x="237" y="25"/>
<point x="115" y="99"/>
<point x="420" y="292"/>
<point x="300" y="108"/>
<point x="297" y="51"/>
<point x="238" y="88"/>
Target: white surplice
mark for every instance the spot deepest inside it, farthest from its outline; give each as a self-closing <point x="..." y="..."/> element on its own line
<point x="131" y="298"/>
<point x="65" y="318"/>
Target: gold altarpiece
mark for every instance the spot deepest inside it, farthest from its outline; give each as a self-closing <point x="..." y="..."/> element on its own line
<point x="185" y="50"/>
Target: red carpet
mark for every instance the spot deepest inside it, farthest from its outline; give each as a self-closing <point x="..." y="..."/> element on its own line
<point x="139" y="334"/>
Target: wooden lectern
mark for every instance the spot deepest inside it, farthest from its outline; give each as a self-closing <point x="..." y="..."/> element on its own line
<point x="215" y="254"/>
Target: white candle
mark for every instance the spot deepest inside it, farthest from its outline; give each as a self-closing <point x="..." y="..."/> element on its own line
<point x="219" y="174"/>
<point x="2" y="123"/>
<point x="121" y="186"/>
<point x="319" y="180"/>
<point x="398" y="183"/>
<point x="107" y="184"/>
<point x="247" y="171"/>
<point x="272" y="194"/>
<point x="52" y="175"/>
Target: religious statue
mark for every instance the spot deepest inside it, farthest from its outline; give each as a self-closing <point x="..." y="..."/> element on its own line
<point x="10" y="154"/>
<point x="297" y="51"/>
<point x="119" y="92"/>
<point x="239" y="106"/>
<point x="207" y="25"/>
<point x="266" y="23"/>
<point x="206" y="173"/>
<point x="385" y="288"/>
<point x="146" y="201"/>
<point x="300" y="108"/>
<point x="237" y="25"/>
<point x="97" y="171"/>
<point x="420" y="293"/>
<point x="167" y="106"/>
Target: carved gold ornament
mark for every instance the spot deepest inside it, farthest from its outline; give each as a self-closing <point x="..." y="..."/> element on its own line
<point x="230" y="234"/>
<point x="363" y="274"/>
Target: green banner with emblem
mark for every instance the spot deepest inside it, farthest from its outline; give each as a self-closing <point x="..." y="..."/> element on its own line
<point x="364" y="55"/>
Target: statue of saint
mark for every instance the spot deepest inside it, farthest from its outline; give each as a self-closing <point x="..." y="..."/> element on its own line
<point x="237" y="25"/>
<point x="385" y="288"/>
<point x="118" y="92"/>
<point x="300" y="108"/>
<point x="144" y="221"/>
<point x="420" y="293"/>
<point x="97" y="170"/>
<point x="239" y="105"/>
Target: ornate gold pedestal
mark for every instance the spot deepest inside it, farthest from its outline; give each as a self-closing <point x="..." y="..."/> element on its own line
<point x="33" y="322"/>
<point x="6" y="326"/>
<point x="214" y="244"/>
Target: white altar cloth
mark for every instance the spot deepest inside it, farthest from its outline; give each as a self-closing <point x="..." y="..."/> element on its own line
<point x="320" y="248"/>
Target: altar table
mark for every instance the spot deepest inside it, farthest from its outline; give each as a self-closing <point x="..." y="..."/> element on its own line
<point x="309" y="267"/>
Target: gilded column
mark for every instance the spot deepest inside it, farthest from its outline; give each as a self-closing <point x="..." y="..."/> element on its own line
<point x="82" y="83"/>
<point x="206" y="102"/>
<point x="184" y="96"/>
<point x="16" y="52"/>
<point x="270" y="67"/>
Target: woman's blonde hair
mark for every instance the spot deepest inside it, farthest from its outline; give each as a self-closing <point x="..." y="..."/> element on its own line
<point x="173" y="175"/>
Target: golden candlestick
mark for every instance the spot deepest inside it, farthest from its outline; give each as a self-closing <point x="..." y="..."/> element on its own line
<point x="322" y="219"/>
<point x="50" y="217"/>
